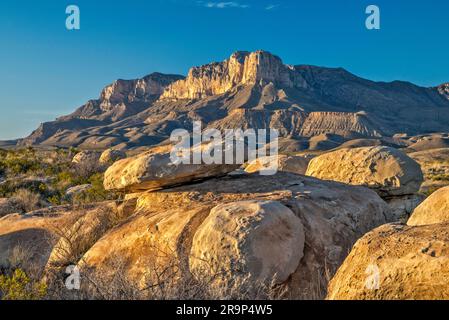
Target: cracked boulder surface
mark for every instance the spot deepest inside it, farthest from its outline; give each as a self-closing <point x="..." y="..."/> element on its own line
<point x="396" y="262"/>
<point x="315" y="224"/>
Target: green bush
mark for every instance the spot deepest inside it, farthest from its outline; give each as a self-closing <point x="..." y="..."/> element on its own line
<point x="19" y="286"/>
<point x="95" y="194"/>
<point x="19" y="165"/>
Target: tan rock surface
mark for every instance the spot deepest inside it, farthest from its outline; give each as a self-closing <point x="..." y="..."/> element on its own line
<point x="78" y="237"/>
<point x="30" y="236"/>
<point x="86" y="157"/>
<point x="435" y="209"/>
<point x="155" y="169"/>
<point x="383" y="169"/>
<point x="260" y="239"/>
<point x="334" y="216"/>
<point x="242" y="68"/>
<point x="293" y="164"/>
<point x="147" y="244"/>
<point x="109" y="156"/>
<point x="396" y="262"/>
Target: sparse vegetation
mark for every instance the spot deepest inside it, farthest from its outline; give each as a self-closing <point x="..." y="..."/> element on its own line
<point x="24" y="200"/>
<point x="170" y="281"/>
<point x="19" y="286"/>
<point x="20" y="278"/>
<point x="37" y="178"/>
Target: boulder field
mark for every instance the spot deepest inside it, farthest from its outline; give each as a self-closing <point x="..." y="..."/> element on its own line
<point x="182" y="221"/>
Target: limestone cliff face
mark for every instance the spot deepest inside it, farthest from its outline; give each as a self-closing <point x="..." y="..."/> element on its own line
<point x="145" y="89"/>
<point x="123" y="98"/>
<point x="242" y="68"/>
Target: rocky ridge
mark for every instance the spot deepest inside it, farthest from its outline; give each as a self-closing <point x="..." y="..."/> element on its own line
<point x="248" y="90"/>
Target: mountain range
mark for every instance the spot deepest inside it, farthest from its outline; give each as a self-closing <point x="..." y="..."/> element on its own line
<point x="249" y="90"/>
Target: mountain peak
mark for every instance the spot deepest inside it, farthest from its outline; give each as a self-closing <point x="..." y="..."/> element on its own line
<point x="242" y="68"/>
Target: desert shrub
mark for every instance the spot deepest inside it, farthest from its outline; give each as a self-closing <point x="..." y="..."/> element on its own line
<point x="171" y="280"/>
<point x="96" y="193"/>
<point x="56" y="199"/>
<point x="65" y="179"/>
<point x="25" y="200"/>
<point x="49" y="173"/>
<point x="9" y="187"/>
<point x="73" y="151"/>
<point x="20" y="165"/>
<point x="441" y="177"/>
<point x="83" y="231"/>
<point x="19" y="286"/>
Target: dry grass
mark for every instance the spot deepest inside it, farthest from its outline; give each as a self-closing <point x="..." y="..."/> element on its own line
<point x="24" y="201"/>
<point x="170" y="280"/>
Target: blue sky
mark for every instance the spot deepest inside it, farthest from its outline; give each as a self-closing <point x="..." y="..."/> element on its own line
<point x="47" y="71"/>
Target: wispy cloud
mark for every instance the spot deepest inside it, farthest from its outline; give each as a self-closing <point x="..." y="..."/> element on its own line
<point x="271" y="7"/>
<point x="223" y="5"/>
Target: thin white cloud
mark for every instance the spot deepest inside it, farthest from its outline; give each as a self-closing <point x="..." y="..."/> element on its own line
<point x="271" y="7"/>
<point x="224" y="5"/>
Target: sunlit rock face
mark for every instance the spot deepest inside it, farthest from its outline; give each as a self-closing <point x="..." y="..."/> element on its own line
<point x="242" y="68"/>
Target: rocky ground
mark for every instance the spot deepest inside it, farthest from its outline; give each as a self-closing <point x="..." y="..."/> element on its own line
<point x="157" y="231"/>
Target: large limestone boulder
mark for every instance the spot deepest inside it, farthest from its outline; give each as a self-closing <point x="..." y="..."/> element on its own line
<point x="86" y="157"/>
<point x="155" y="169"/>
<point x="396" y="262"/>
<point x="169" y="227"/>
<point x="434" y="209"/>
<point x="260" y="239"/>
<point x="293" y="164"/>
<point x="110" y="156"/>
<point x="149" y="243"/>
<point x="386" y="170"/>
